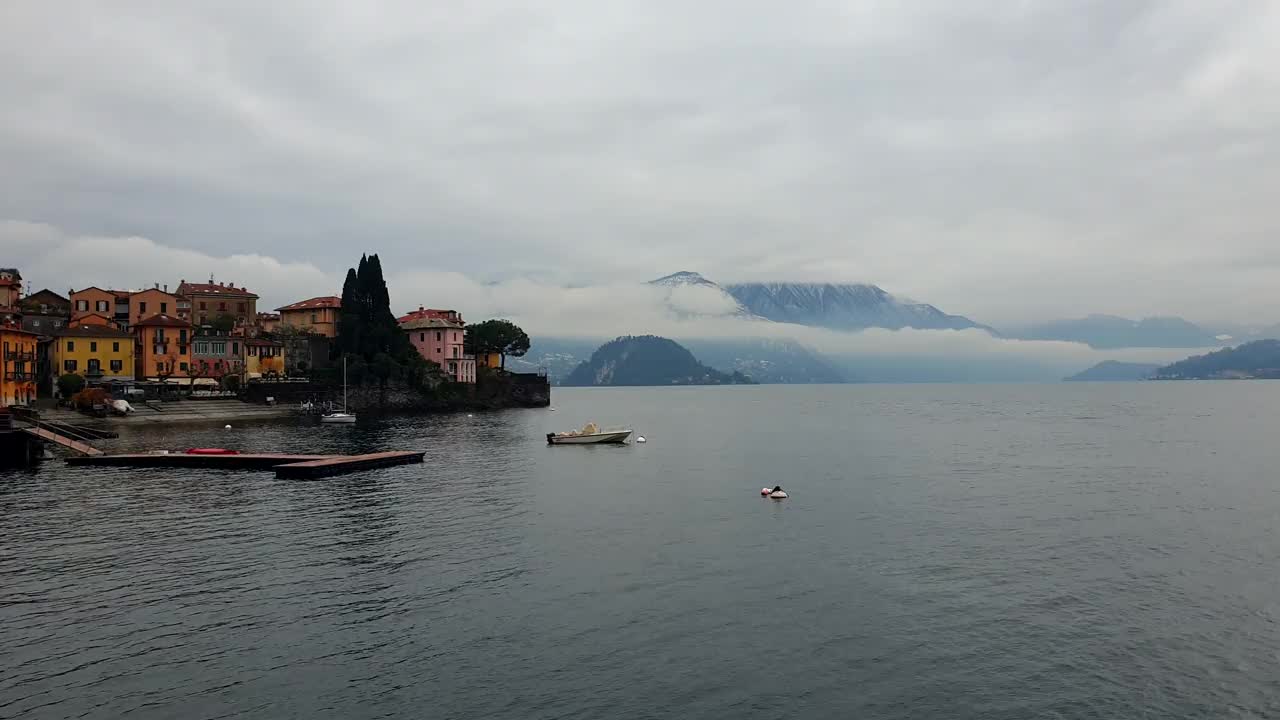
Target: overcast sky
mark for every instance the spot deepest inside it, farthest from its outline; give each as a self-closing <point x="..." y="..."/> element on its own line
<point x="1001" y="159"/>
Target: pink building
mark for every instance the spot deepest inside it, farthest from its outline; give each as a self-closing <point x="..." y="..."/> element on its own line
<point x="438" y="335"/>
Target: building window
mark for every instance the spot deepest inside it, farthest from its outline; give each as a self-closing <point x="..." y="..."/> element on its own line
<point x="235" y="348"/>
<point x="95" y="366"/>
<point x="71" y="346"/>
<point x="422" y="337"/>
<point x="164" y="307"/>
<point x="102" y="306"/>
<point x="203" y="306"/>
<point x="142" y="308"/>
<point x="314" y="319"/>
<point x="182" y="367"/>
<point x="82" y="305"/>
<point x="438" y="336"/>
<point x="159" y="367"/>
<point x="93" y="346"/>
<point x="35" y="323"/>
<point x="69" y="365"/>
<point x="222" y="306"/>
<point x="115" y="347"/>
<point x="117" y="366"/>
<point x="182" y="336"/>
<point x="240" y="307"/>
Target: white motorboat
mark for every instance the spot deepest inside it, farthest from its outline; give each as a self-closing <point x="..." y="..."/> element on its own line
<point x="340" y="416"/>
<point x="589" y="435"/>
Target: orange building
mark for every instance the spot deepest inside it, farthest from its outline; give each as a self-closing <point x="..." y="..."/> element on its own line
<point x="162" y="347"/>
<point x="209" y="300"/>
<point x="17" y="366"/>
<point x="145" y="303"/>
<point x="318" y="315"/>
<point x="92" y="300"/>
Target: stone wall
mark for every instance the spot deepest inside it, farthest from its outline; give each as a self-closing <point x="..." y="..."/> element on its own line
<point x="493" y="391"/>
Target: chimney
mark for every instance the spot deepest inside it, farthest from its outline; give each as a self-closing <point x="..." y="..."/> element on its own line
<point x="166" y="287"/>
<point x="157" y="286"/>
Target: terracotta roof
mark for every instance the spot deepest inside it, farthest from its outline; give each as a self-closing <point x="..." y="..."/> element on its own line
<point x="422" y="313"/>
<point x="14" y="329"/>
<point x="162" y="321"/>
<point x="324" y="301"/>
<point x="422" y="323"/>
<point x="92" y="331"/>
<point x="187" y="288"/>
<point x="33" y="296"/>
<point x="263" y="341"/>
<point x="5" y="282"/>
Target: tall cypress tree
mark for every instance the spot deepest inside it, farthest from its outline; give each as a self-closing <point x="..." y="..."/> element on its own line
<point x="348" y="340"/>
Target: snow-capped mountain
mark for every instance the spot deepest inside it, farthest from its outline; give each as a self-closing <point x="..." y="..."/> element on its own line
<point x="689" y="294"/>
<point x="843" y="307"/>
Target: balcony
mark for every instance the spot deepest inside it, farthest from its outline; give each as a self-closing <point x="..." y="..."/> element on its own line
<point x="19" y="376"/>
<point x="19" y="355"/>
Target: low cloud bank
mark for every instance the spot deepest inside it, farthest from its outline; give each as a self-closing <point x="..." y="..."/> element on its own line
<point x="49" y="257"/>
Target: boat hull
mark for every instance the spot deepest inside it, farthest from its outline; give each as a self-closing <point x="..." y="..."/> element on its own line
<point x="600" y="438"/>
<point x="337" y="419"/>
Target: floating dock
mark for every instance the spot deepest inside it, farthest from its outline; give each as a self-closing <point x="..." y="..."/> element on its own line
<point x="286" y="466"/>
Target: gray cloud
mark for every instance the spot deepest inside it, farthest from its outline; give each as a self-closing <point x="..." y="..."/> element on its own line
<point x="1002" y="160"/>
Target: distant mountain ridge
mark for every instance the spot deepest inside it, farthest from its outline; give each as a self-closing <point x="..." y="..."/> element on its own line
<point x="1257" y="359"/>
<point x="1107" y="332"/>
<point x="770" y="361"/>
<point x="647" y="360"/>
<point x="689" y="294"/>
<point x="1115" y="371"/>
<point x="843" y="307"/>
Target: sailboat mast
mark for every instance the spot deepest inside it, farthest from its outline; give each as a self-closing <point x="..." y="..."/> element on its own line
<point x="344" y="383"/>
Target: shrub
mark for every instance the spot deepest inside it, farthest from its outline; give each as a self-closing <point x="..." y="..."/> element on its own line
<point x="70" y="384"/>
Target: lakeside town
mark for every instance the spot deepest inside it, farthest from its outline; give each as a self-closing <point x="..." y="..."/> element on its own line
<point x="210" y="339"/>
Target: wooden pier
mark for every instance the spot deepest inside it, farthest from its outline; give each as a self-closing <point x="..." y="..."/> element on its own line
<point x="286" y="466"/>
<point x="66" y="442"/>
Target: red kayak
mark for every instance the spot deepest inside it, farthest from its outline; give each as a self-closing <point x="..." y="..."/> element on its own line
<point x="212" y="451"/>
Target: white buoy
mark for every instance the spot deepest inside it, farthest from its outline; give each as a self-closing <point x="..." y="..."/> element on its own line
<point x="227" y="427"/>
<point x="552" y="409"/>
<point x="470" y="415"/>
<point x="641" y="439"/>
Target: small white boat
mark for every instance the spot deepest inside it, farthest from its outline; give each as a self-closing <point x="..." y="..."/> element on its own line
<point x="588" y="435"/>
<point x="340" y="416"/>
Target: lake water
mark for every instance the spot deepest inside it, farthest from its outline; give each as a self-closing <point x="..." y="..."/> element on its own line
<point x="1046" y="551"/>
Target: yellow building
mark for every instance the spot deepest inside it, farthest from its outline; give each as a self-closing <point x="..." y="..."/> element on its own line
<point x="318" y="315"/>
<point x="489" y="360"/>
<point x="17" y="366"/>
<point x="263" y="356"/>
<point x="96" y="352"/>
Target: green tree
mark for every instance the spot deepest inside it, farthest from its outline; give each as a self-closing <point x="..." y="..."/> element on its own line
<point x="223" y="323"/>
<point x="497" y="336"/>
<point x="70" y="384"/>
<point x="368" y="331"/>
